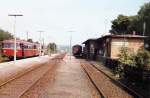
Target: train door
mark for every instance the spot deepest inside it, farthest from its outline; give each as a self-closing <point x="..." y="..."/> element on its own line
<point x="22" y="50"/>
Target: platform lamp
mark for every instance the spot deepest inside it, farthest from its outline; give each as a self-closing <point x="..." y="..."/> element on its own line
<point x="15" y="15"/>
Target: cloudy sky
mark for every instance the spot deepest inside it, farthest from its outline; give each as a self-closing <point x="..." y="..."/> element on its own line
<point x="86" y="18"/>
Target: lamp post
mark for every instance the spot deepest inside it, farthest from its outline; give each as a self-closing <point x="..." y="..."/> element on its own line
<point x="15" y="15"/>
<point x="40" y="42"/>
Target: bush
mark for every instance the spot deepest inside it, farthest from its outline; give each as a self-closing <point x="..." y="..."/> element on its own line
<point x="135" y="67"/>
<point x="126" y="57"/>
<point x="143" y="59"/>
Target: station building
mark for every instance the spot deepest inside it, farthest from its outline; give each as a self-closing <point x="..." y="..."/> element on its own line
<point x="90" y="47"/>
<point x="109" y="46"/>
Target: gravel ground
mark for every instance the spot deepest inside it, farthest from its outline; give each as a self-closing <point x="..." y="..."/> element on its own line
<point x="15" y="88"/>
<point x="65" y="80"/>
<point x="104" y="84"/>
<point x="22" y="82"/>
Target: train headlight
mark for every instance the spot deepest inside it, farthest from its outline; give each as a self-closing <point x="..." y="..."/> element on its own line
<point x="4" y="51"/>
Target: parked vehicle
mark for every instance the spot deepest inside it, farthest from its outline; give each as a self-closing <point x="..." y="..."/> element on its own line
<point x="77" y="50"/>
<point x="23" y="49"/>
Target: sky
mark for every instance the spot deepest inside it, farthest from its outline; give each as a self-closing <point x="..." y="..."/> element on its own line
<point x="59" y="19"/>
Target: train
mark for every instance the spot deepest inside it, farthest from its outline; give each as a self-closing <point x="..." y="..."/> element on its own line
<point x="77" y="51"/>
<point x="24" y="48"/>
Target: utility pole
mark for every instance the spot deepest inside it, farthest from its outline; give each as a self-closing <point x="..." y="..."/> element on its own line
<point x="70" y="43"/>
<point x="15" y="15"/>
<point x="27" y="35"/>
<point x="43" y="47"/>
<point x="144" y="28"/>
<point x="40" y="40"/>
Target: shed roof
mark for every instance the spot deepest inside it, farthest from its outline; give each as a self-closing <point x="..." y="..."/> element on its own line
<point x="124" y="36"/>
<point x="92" y="39"/>
<point x="116" y="36"/>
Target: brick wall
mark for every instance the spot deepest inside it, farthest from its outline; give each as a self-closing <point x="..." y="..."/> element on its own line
<point x="117" y="43"/>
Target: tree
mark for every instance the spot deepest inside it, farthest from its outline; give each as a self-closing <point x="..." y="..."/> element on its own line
<point x="5" y="35"/>
<point x="30" y="40"/>
<point x="127" y="24"/>
<point x="144" y="16"/>
<point x="52" y="47"/>
<point x="121" y="25"/>
<point x="37" y="42"/>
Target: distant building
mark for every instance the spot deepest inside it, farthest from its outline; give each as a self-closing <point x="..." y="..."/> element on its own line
<point x="110" y="45"/>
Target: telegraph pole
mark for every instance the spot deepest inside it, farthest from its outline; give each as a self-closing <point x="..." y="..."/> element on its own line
<point x="27" y="35"/>
<point x="144" y="28"/>
<point x="15" y="15"/>
<point x="40" y="40"/>
<point x="70" y="43"/>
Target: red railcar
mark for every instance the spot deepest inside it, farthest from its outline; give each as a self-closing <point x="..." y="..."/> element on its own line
<point x="24" y="48"/>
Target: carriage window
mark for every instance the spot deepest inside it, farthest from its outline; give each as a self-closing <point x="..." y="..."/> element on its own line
<point x="30" y="46"/>
<point x="25" y="46"/>
<point x="8" y="45"/>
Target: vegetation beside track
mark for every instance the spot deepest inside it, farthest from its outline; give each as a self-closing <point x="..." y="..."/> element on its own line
<point x="132" y="69"/>
<point x="3" y="58"/>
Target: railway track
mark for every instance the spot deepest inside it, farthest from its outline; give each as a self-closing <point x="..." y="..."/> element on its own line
<point x="107" y="86"/>
<point x="18" y="85"/>
<point x="65" y="80"/>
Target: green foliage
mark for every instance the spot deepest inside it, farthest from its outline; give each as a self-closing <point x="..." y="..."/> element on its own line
<point x="52" y="47"/>
<point x="140" y="60"/>
<point x="144" y="12"/>
<point x="123" y="25"/>
<point x="126" y="57"/>
<point x="143" y="59"/>
<point x="144" y="16"/>
<point x="30" y="40"/>
<point x="127" y="24"/>
<point x="5" y="35"/>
